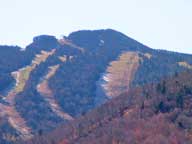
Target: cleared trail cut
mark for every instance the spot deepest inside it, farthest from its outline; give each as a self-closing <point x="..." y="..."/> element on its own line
<point x="64" y="41"/>
<point x="46" y="92"/>
<point x="21" y="77"/>
<point x="120" y="74"/>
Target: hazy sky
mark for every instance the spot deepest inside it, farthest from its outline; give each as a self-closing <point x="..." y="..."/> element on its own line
<point x="162" y="24"/>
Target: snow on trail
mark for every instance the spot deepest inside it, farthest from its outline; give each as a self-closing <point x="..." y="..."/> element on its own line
<point x="120" y="74"/>
<point x="21" y="76"/>
<point x="45" y="91"/>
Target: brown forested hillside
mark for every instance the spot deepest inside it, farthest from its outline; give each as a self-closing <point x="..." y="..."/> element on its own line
<point x="155" y="113"/>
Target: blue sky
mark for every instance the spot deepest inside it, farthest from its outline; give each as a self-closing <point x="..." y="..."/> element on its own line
<point x="162" y="24"/>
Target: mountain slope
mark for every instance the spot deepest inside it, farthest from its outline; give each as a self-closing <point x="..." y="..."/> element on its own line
<point x="92" y="67"/>
<point x="146" y="114"/>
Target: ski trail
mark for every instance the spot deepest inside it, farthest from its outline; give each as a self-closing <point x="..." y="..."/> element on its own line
<point x="21" y="76"/>
<point x="64" y="41"/>
<point x="45" y="91"/>
<point x="120" y="73"/>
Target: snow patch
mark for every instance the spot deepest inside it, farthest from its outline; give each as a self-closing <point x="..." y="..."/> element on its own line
<point x="102" y="42"/>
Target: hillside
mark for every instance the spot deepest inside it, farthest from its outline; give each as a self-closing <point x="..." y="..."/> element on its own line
<point x="54" y="81"/>
<point x="155" y="113"/>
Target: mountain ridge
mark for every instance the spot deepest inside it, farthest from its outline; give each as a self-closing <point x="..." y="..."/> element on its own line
<point x="92" y="31"/>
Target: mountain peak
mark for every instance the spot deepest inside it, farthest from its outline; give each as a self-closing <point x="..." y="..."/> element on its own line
<point x="96" y="32"/>
<point x="45" y="42"/>
<point x="43" y="37"/>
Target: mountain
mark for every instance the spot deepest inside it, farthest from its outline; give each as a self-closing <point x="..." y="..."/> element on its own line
<point x="55" y="81"/>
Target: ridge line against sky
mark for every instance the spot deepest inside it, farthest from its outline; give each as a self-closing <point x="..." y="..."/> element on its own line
<point x="161" y="24"/>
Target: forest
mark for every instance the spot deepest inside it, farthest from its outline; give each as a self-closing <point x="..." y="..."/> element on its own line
<point x="154" y="113"/>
